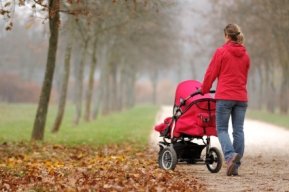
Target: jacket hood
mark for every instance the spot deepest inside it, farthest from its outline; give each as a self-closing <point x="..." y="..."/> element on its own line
<point x="235" y="49"/>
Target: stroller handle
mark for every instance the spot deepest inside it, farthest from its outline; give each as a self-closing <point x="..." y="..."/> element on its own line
<point x="183" y="101"/>
<point x="199" y="92"/>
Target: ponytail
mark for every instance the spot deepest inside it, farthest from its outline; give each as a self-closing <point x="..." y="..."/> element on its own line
<point x="240" y="38"/>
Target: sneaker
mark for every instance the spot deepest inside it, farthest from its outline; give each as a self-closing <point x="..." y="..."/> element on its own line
<point x="235" y="171"/>
<point x="231" y="163"/>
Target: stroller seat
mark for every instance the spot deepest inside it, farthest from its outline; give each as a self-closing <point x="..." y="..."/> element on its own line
<point x="193" y="116"/>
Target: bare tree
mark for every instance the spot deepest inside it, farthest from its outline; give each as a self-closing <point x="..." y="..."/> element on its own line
<point x="40" y="119"/>
<point x="90" y="87"/>
<point x="65" y="78"/>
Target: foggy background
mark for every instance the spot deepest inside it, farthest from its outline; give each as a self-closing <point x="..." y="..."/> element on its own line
<point x="141" y="53"/>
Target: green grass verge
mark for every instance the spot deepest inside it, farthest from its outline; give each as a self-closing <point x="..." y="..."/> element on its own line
<point x="273" y="118"/>
<point x="130" y="126"/>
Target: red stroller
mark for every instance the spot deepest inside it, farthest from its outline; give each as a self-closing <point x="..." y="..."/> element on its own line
<point x="193" y="119"/>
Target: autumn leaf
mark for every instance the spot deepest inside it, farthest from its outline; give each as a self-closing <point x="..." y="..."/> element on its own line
<point x="9" y="26"/>
<point x="21" y="2"/>
<point x="4" y="12"/>
<point x="7" y="4"/>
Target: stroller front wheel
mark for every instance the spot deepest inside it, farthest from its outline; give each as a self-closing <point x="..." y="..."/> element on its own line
<point x="214" y="160"/>
<point x="168" y="158"/>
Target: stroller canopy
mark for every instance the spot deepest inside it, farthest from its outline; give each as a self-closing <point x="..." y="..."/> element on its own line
<point x="186" y="88"/>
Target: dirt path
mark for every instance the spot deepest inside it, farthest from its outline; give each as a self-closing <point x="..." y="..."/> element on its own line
<point x="265" y="166"/>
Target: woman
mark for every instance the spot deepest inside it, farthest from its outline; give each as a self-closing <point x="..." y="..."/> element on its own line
<point x="230" y="64"/>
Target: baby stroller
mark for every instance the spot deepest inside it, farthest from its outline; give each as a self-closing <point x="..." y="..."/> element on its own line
<point x="193" y="120"/>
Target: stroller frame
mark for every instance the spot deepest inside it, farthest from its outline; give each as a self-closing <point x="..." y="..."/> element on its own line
<point x="183" y="149"/>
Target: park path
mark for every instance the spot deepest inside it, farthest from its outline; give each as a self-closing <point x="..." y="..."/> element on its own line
<point x="265" y="166"/>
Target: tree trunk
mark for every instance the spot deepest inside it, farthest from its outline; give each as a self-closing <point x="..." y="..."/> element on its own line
<point x="253" y="87"/>
<point x="90" y="84"/>
<point x="41" y="114"/>
<point x="121" y="87"/>
<point x="283" y="59"/>
<point x="114" y="89"/>
<point x="130" y="94"/>
<point x="64" y="86"/>
<point x="132" y="91"/>
<point x="102" y="60"/>
<point x="106" y="107"/>
<point x="99" y="97"/>
<point x="284" y="92"/>
<point x="79" y="85"/>
<point x="260" y="88"/>
<point x="126" y="85"/>
<point x="270" y="103"/>
<point x="271" y="98"/>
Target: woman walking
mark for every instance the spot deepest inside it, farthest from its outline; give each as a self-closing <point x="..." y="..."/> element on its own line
<point x="230" y="65"/>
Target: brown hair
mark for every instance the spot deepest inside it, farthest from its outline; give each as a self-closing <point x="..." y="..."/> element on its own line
<point x="233" y="31"/>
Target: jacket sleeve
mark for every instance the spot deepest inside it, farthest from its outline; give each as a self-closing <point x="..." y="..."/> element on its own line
<point x="248" y="68"/>
<point x="213" y="71"/>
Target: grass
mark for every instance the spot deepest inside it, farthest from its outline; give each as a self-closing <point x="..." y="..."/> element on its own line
<point x="276" y="118"/>
<point x="130" y="126"/>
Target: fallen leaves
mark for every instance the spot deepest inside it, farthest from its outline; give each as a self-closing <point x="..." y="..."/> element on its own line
<point x="44" y="167"/>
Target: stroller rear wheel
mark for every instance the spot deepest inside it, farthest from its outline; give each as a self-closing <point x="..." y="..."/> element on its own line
<point x="168" y="158"/>
<point x="214" y="160"/>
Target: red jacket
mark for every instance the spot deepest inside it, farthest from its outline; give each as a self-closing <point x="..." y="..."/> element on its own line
<point x="230" y="64"/>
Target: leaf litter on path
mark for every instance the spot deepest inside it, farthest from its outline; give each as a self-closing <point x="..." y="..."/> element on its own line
<point x="47" y="167"/>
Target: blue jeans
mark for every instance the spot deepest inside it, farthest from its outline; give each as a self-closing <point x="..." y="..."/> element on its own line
<point x="237" y="110"/>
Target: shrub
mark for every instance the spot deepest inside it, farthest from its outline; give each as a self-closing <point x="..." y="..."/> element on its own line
<point x="13" y="89"/>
